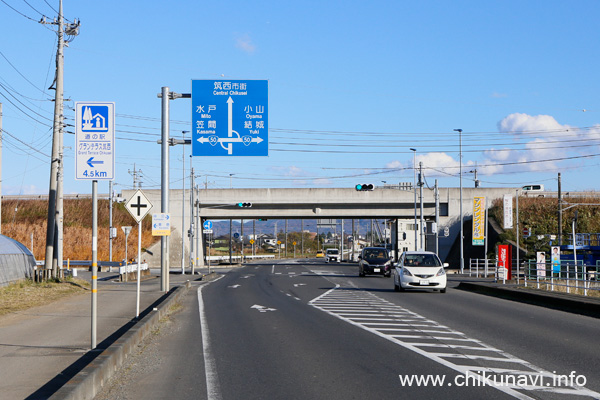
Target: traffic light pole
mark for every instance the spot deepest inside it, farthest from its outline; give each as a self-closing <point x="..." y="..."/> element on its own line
<point x="165" y="95"/>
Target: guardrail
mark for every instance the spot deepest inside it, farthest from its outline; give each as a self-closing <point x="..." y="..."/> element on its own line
<point x="238" y="258"/>
<point x="126" y="269"/>
<point x="484" y="267"/>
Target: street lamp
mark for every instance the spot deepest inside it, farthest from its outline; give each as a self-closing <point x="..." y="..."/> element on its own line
<point x="415" y="191"/>
<point x="230" y="175"/>
<point x="462" y="256"/>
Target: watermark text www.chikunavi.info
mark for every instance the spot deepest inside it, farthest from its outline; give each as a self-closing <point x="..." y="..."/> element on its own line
<point x="483" y="378"/>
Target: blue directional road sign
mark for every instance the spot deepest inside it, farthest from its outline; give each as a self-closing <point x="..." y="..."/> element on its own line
<point x="94" y="140"/>
<point x="230" y="118"/>
<point x="207" y="225"/>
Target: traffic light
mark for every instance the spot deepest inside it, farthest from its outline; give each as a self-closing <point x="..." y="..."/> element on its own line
<point x="362" y="187"/>
<point x="244" y="205"/>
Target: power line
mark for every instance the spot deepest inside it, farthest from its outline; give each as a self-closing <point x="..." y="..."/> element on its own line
<point x="19" y="72"/>
<point x="17" y="11"/>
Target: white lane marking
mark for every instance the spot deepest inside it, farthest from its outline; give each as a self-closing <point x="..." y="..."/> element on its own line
<point x="299" y="284"/>
<point x="273" y="269"/>
<point x="213" y="389"/>
<point x="263" y="308"/>
<point x="234" y="286"/>
<point x="335" y="301"/>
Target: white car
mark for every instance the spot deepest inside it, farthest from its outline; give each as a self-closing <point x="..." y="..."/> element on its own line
<point x="332" y="255"/>
<point x="420" y="270"/>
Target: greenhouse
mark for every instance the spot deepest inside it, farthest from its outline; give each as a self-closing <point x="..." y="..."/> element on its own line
<point x="16" y="261"/>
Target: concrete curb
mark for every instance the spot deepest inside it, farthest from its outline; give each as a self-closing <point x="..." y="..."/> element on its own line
<point x="87" y="383"/>
<point x="557" y="301"/>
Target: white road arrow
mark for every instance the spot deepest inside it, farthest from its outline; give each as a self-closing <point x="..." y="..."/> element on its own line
<point x="229" y="117"/>
<point x="229" y="147"/>
<point x="263" y="308"/>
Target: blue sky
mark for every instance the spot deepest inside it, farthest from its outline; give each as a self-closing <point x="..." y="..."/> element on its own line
<point x="352" y="87"/>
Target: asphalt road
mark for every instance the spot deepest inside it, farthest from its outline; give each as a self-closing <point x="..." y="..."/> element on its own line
<point x="309" y="330"/>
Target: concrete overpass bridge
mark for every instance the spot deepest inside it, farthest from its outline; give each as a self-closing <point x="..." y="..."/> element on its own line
<point x="322" y="203"/>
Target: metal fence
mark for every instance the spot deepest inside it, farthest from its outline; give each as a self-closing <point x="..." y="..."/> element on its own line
<point x="568" y="277"/>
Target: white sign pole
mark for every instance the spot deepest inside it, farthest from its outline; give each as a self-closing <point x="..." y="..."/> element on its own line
<point x="137" y="303"/>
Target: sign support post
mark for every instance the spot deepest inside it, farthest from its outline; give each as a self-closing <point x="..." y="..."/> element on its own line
<point x="138" y="206"/>
<point x="94" y="260"/>
<point x="137" y="301"/>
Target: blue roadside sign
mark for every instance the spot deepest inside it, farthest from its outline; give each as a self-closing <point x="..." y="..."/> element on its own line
<point x="230" y="118"/>
<point x="94" y="140"/>
<point x="207" y="225"/>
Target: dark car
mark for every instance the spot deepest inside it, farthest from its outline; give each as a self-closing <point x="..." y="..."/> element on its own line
<point x="375" y="260"/>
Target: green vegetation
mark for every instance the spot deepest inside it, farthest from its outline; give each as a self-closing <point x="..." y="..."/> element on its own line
<point x="540" y="215"/>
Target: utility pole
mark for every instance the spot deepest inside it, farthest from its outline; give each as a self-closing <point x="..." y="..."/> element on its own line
<point x="137" y="175"/>
<point x="475" y="178"/>
<point x="230" y="241"/>
<point x="518" y="228"/>
<point x="462" y="250"/>
<point x="302" y="238"/>
<point x="242" y="240"/>
<point x="437" y="216"/>
<point x="415" y="193"/>
<point x="286" y="238"/>
<point x="342" y="243"/>
<point x="559" y="211"/>
<point x="53" y="259"/>
<point x="55" y="156"/>
<point x="422" y="224"/>
<point x="1" y="171"/>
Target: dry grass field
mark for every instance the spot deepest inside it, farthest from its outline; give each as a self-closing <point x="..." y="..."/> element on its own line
<point x="23" y="220"/>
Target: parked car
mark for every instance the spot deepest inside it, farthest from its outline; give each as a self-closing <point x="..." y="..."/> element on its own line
<point x="420" y="270"/>
<point x="332" y="255"/>
<point x="374" y="260"/>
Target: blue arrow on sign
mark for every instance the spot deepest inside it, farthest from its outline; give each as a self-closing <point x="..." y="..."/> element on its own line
<point x="92" y="163"/>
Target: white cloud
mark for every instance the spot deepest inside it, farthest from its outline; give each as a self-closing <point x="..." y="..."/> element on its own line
<point x="537" y="134"/>
<point x="527" y="138"/>
<point x="519" y="123"/>
<point x="244" y="42"/>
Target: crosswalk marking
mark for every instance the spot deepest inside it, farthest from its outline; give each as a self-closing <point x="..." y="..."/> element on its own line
<point x="413" y="331"/>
